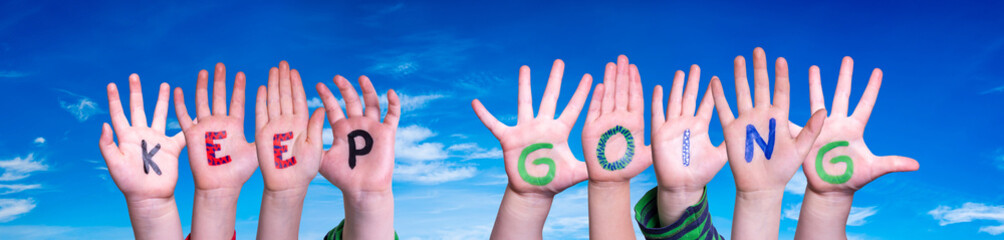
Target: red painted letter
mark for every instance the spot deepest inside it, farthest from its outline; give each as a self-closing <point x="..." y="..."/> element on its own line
<point x="211" y="148"/>
<point x="278" y="149"/>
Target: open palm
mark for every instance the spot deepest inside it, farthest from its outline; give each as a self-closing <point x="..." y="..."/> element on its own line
<point x="218" y="152"/>
<point x="288" y="143"/>
<point x="366" y="166"/>
<point x="135" y="176"/>
<point x="846" y="163"/>
<point x="766" y="164"/>
<point x="683" y="155"/>
<point x="613" y="137"/>
<point x="536" y="152"/>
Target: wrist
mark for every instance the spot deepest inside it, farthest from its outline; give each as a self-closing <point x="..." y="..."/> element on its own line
<point x="290" y="193"/>
<point x="152" y="208"/>
<point x="672" y="204"/>
<point x="214" y="213"/>
<point x="368" y="200"/>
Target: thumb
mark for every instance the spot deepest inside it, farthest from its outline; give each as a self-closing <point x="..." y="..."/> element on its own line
<point x="890" y="164"/>
<point x="812" y="128"/>
<point x="108" y="148"/>
<point x="314" y="127"/>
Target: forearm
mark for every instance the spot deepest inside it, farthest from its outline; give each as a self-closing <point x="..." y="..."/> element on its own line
<point x="610" y="210"/>
<point x="673" y="202"/>
<point x="280" y="213"/>
<point x="369" y="215"/>
<point x="521" y="216"/>
<point x="155" y="218"/>
<point x="213" y="213"/>
<point x="824" y="216"/>
<point x="757" y="214"/>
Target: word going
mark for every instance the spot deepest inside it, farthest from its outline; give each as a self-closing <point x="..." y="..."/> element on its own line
<point x="212" y="147"/>
<point x="538" y="181"/>
<point x="353" y="151"/>
<point x="686" y="148"/>
<point x="752" y="135"/>
<point x="838" y="159"/>
<point x="148" y="158"/>
<point x="278" y="149"/>
<point x="601" y="149"/>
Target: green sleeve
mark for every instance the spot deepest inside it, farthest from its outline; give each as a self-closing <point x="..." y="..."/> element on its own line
<point x="336" y="233"/>
<point x="695" y="223"/>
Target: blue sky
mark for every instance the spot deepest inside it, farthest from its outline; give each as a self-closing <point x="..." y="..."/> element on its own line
<point x="940" y="103"/>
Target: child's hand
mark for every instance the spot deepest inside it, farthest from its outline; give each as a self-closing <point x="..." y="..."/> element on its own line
<point x="613" y="137"/>
<point x="846" y="163"/>
<point x="289" y="144"/>
<point x="537" y="157"/>
<point x="685" y="159"/>
<point x="217" y="149"/>
<point x="144" y="165"/>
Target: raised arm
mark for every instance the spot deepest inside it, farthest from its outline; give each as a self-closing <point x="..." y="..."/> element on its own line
<point x="613" y="140"/>
<point x="685" y="161"/>
<point x="537" y="158"/>
<point x="144" y="163"/>
<point x="839" y="162"/>
<point x="221" y="158"/>
<point x="361" y="159"/>
<point x="289" y="151"/>
<point x="762" y="153"/>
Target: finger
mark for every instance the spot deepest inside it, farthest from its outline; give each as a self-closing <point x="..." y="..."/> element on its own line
<point x="314" y="126"/>
<point x="609" y="80"/>
<point x="707" y="105"/>
<point x="816" y="98"/>
<point x="273" y="93"/>
<point x="808" y="134"/>
<point x="891" y="164"/>
<point x="658" y="114"/>
<point x="202" y="95"/>
<point x="550" y="100"/>
<point x="843" y="93"/>
<point x="636" y="95"/>
<point x="180" y="110"/>
<point x="160" y="110"/>
<point x="524" y="105"/>
<point x="794" y="129"/>
<point x="571" y="113"/>
<point x="675" y="96"/>
<point x="237" y="100"/>
<point x="690" y="92"/>
<point x="299" y="97"/>
<point x="864" y="109"/>
<point x="487" y="118"/>
<point x="330" y="104"/>
<point x="118" y="117"/>
<point x="179" y="138"/>
<point x="743" y="101"/>
<point x="370" y="98"/>
<point x="285" y="89"/>
<point x="760" y="80"/>
<point x="623" y="82"/>
<point x="724" y="112"/>
<point x="782" y="87"/>
<point x="353" y="107"/>
<point x="594" y="105"/>
<point x="220" y="90"/>
<point x="136" y="102"/>
<point x="108" y="148"/>
<point x="261" y="112"/>
<point x="393" y="109"/>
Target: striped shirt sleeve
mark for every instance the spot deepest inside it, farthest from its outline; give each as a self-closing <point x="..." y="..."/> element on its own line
<point x="695" y="223"/>
<point x="336" y="233"/>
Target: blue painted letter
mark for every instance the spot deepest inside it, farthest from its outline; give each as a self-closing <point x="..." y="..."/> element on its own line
<point x="753" y="135"/>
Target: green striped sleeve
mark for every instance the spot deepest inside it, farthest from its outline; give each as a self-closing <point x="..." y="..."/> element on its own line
<point x="695" y="223"/>
<point x="336" y="233"/>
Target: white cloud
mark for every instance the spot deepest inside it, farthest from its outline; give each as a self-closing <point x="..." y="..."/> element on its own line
<point x="13" y="74"/>
<point x="424" y="161"/>
<point x="473" y="151"/>
<point x="426" y="52"/>
<point x="40" y="140"/>
<point x="314" y="102"/>
<point x="797" y="183"/>
<point x="409" y="102"/>
<point x="993" y="90"/>
<point x="20" y="168"/>
<point x="433" y="172"/>
<point x="969" y="212"/>
<point x="172" y="124"/>
<point x="855" y="218"/>
<point x="409" y="144"/>
<point x="568" y="227"/>
<point x="64" y="232"/>
<point x="11" y="209"/>
<point x="15" y="188"/>
<point x="79" y="106"/>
